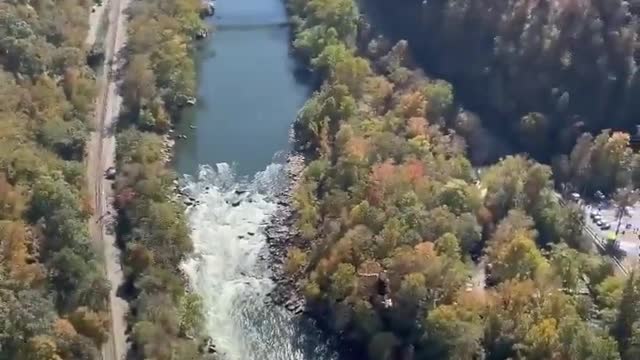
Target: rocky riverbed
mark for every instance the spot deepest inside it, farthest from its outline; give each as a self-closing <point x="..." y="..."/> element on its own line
<point x="281" y="234"/>
<point x="280" y="230"/>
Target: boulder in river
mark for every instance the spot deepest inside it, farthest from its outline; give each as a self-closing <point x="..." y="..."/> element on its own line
<point x="201" y="34"/>
<point x="208" y="9"/>
<point x="208" y="346"/>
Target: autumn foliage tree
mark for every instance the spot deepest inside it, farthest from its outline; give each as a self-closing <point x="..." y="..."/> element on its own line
<point x="158" y="79"/>
<point x="48" y="268"/>
<point x="541" y="72"/>
<point x="402" y="231"/>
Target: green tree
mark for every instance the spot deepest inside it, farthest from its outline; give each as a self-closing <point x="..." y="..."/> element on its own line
<point x="91" y="324"/>
<point x="191" y="317"/>
<point x="26" y="313"/>
<point x="382" y="345"/>
<point x="628" y="313"/>
<point x="567" y="264"/>
<point x="448" y="245"/>
<point x="517" y="259"/>
<point x="343" y="282"/>
<point x="624" y="199"/>
<point x="138" y="83"/>
<point x="454" y="332"/>
<point x="338" y="14"/>
<point x="439" y="95"/>
<point x="314" y="40"/>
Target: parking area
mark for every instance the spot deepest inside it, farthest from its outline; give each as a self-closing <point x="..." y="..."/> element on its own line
<point x="601" y="219"/>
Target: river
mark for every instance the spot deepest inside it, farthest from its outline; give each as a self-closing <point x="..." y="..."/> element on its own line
<point x="237" y="136"/>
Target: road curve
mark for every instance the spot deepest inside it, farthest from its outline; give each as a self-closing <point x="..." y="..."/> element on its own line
<point x="101" y="156"/>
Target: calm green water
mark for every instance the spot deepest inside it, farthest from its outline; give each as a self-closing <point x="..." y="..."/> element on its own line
<point x="248" y="93"/>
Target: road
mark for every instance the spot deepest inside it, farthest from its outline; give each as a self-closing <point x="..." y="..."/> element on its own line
<point x="590" y="229"/>
<point x="101" y="156"/>
<point x="628" y="235"/>
<point x="95" y="19"/>
<point x="595" y="234"/>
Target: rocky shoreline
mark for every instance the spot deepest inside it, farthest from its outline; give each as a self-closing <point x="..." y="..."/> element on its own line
<point x="281" y="233"/>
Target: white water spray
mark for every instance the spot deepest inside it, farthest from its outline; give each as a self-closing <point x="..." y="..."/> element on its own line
<point x="229" y="268"/>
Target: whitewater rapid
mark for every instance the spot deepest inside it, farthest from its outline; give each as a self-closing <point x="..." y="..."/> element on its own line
<point x="230" y="268"/>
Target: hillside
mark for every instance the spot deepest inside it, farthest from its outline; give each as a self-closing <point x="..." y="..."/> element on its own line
<point x="539" y="72"/>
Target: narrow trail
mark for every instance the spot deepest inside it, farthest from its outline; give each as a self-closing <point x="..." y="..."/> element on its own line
<point x="101" y="156"/>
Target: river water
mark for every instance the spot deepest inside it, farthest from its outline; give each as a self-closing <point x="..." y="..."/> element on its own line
<point x="248" y="96"/>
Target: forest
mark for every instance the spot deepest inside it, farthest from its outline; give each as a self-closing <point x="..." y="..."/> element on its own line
<point x="541" y="72"/>
<point x="412" y="253"/>
<point x="401" y="229"/>
<point x="53" y="294"/>
<point x="159" y="75"/>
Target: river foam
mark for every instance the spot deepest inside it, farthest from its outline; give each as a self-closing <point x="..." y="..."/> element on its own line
<point x="229" y="268"/>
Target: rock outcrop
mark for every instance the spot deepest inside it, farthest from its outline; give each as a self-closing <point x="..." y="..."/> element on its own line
<point x="281" y="234"/>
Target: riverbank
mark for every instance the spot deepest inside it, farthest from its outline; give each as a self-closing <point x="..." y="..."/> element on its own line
<point x="282" y="234"/>
<point x="158" y="80"/>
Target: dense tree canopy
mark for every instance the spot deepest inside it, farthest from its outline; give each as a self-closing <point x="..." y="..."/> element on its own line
<point x="49" y="275"/>
<point x="400" y="226"/>
<point x="541" y="72"/>
<point x="158" y="78"/>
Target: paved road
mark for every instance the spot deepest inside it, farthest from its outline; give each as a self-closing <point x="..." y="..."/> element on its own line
<point x="627" y="238"/>
<point x="597" y="236"/>
<point x="101" y="154"/>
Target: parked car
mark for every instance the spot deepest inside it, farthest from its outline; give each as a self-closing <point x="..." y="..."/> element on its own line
<point x="110" y="173"/>
<point x="599" y="222"/>
<point x="599" y="195"/>
<point x="605" y="226"/>
<point x="597" y="218"/>
<point x="575" y="196"/>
